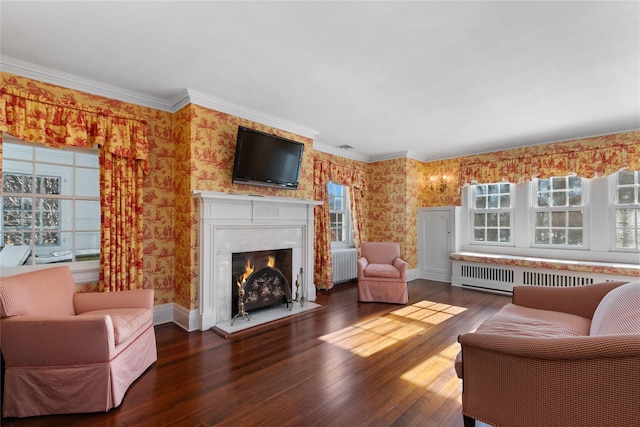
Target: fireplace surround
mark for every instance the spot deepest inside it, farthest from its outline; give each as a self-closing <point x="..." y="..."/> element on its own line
<point x="234" y="223"/>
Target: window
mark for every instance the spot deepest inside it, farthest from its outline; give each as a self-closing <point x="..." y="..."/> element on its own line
<point x="50" y="202"/>
<point x="627" y="210"/>
<point x="339" y="218"/>
<point x="492" y="213"/>
<point x="559" y="211"/>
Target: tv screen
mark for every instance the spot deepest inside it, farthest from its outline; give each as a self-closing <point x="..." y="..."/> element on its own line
<point x="266" y="160"/>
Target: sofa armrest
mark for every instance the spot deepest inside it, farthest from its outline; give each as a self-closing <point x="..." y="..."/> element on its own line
<point x="524" y="381"/>
<point x="92" y="301"/>
<point x="401" y="265"/>
<point x="579" y="300"/>
<point x="59" y="340"/>
<point x="362" y="264"/>
<point x="555" y="348"/>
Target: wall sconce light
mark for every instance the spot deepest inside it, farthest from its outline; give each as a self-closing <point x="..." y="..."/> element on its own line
<point x="441" y="186"/>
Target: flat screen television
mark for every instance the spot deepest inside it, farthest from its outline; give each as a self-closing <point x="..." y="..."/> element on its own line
<point x="266" y="160"/>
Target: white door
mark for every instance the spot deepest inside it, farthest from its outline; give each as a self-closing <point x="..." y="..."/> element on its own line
<point x="435" y="242"/>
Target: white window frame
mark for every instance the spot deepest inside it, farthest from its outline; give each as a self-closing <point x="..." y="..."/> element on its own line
<point x="583" y="208"/>
<point x="598" y="240"/>
<point x="346" y="212"/>
<point x="615" y="205"/>
<point x="488" y="210"/>
<point x="83" y="271"/>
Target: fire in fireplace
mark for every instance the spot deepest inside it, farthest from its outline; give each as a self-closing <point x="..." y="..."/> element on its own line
<point x="263" y="276"/>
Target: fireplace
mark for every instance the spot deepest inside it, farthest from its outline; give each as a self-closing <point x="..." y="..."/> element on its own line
<point x="237" y="224"/>
<point x="263" y="278"/>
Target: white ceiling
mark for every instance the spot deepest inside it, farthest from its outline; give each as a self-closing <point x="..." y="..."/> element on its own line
<point x="430" y="79"/>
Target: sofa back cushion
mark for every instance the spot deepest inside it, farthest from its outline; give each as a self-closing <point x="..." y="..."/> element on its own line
<point x="47" y="292"/>
<point x="618" y="312"/>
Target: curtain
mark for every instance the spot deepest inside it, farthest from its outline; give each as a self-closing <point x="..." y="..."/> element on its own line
<point x="323" y="172"/>
<point x="123" y="151"/>
<point x="586" y="158"/>
<point x="323" y="265"/>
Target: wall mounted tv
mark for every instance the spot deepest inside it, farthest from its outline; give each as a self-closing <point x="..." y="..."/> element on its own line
<point x="266" y="160"/>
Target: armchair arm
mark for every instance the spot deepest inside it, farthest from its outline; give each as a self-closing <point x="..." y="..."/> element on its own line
<point x="401" y="265"/>
<point x="579" y="300"/>
<point x="91" y="301"/>
<point x="362" y="264"/>
<point x="59" y="340"/>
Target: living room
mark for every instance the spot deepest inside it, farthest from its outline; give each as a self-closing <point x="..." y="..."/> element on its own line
<point x="191" y="146"/>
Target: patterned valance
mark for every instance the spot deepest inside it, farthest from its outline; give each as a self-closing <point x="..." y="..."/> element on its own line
<point x="587" y="158"/>
<point x="55" y="122"/>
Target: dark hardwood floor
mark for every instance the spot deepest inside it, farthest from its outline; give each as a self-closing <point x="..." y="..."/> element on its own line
<point x="344" y="364"/>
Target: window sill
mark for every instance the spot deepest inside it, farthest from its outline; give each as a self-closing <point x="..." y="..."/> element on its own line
<point x="83" y="272"/>
<point x="610" y="268"/>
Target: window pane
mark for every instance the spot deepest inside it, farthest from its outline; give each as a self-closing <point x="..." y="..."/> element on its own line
<point x="492" y="235"/>
<point x="558" y="183"/>
<point x="542" y="219"/>
<point x="558" y="237"/>
<point x="492" y="220"/>
<point x="575" y="237"/>
<point x="625" y="178"/>
<point x="626" y="239"/>
<point x="575" y="198"/>
<point x="558" y="219"/>
<point x="505" y="220"/>
<point x="481" y="202"/>
<point x="626" y="195"/>
<point x="505" y="235"/>
<point x="505" y="201"/>
<point x="575" y="219"/>
<point x="494" y="189"/>
<point x="493" y="201"/>
<point x="87" y="215"/>
<point x="478" y="235"/>
<point x="542" y="236"/>
<point x="544" y="199"/>
<point x="559" y="198"/>
<point x="479" y="220"/>
<point x="543" y="185"/>
<point x="85" y="182"/>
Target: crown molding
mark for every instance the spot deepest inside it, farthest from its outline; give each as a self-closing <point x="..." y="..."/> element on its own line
<point x="72" y="81"/>
<point x="317" y="146"/>
<point x="396" y="155"/>
<point x="207" y="101"/>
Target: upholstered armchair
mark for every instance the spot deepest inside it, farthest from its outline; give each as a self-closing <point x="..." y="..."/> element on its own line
<point x="69" y="352"/>
<point x="556" y="357"/>
<point x="382" y="274"/>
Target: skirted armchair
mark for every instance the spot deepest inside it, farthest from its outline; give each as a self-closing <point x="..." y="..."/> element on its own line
<point x="382" y="274"/>
<point x="556" y="357"/>
<point x="69" y="352"/>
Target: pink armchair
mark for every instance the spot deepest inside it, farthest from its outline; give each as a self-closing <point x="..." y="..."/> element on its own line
<point x="556" y="357"/>
<point x="382" y="274"/>
<point x="69" y="352"/>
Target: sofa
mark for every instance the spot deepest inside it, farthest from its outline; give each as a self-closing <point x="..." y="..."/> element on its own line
<point x="382" y="274"/>
<point x="70" y="352"/>
<point x="556" y="357"/>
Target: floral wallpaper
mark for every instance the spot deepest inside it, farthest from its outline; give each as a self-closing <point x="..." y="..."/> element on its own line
<point x="193" y="149"/>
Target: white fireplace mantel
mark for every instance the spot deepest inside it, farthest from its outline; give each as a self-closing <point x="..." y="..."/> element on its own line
<point x="231" y="223"/>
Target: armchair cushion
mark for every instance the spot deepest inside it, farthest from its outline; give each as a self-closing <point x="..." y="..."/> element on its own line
<point x="382" y="270"/>
<point x="126" y="321"/>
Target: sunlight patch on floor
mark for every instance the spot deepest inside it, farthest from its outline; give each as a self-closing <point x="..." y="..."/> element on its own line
<point x="429" y="373"/>
<point x="374" y="335"/>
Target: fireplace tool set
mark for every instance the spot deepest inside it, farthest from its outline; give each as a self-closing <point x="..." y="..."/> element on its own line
<point x="300" y="297"/>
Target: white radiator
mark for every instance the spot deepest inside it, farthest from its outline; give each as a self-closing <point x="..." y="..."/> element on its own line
<point x="502" y="278"/>
<point x="345" y="265"/>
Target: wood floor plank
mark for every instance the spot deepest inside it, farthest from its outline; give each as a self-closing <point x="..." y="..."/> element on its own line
<point x="347" y="364"/>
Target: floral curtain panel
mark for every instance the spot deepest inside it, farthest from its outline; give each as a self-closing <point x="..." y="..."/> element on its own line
<point x="325" y="171"/>
<point x="123" y="151"/>
<point x="587" y="158"/>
